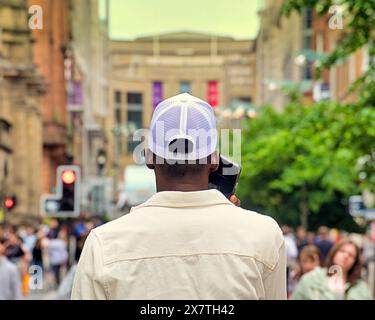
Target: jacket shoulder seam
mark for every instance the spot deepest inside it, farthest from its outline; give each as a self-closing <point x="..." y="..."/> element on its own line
<point x="192" y="254"/>
<point x="105" y="285"/>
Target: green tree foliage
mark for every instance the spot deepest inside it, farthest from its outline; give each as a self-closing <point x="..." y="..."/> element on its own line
<point x="304" y="160"/>
<point x="307" y="161"/>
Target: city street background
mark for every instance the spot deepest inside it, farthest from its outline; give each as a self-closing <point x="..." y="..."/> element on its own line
<point x="78" y="78"/>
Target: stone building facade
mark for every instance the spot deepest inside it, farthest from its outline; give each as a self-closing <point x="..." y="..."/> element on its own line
<point x="50" y="47"/>
<point x="220" y="70"/>
<point x="21" y="89"/>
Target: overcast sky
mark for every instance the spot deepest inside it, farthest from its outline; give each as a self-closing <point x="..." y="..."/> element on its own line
<point x="133" y="18"/>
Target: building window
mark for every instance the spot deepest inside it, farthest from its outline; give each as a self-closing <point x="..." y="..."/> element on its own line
<point x="134" y="117"/>
<point x="307" y="41"/>
<point x="5" y="128"/>
<point x="134" y="98"/>
<point x="245" y="99"/>
<point x="157" y="93"/>
<point x="307" y="71"/>
<point x="185" y="87"/>
<point x="308" y="18"/>
<point x="117" y="107"/>
<point x="213" y="93"/>
<point x="118" y="140"/>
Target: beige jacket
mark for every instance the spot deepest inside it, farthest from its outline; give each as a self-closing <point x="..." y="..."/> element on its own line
<point x="184" y="245"/>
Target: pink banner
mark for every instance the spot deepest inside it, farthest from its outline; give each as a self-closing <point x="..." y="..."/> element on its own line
<point x="157" y="93"/>
<point x="213" y="93"/>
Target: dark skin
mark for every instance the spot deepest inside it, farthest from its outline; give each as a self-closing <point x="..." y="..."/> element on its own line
<point x="197" y="182"/>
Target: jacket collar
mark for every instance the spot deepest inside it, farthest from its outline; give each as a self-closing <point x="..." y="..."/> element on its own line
<point x="180" y="199"/>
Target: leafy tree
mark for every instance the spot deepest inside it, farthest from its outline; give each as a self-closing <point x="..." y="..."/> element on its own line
<point x="301" y="164"/>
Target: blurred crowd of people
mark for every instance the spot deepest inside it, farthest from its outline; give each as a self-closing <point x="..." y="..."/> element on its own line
<point x="329" y="264"/>
<point x="52" y="248"/>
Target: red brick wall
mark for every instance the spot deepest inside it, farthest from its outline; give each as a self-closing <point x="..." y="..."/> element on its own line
<point x="49" y="58"/>
<point x="341" y="71"/>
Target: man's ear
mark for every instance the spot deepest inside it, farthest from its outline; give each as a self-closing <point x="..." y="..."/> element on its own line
<point x="149" y="158"/>
<point x="215" y="158"/>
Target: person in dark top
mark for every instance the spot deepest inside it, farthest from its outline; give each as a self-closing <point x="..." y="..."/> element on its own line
<point x="38" y="253"/>
<point x="80" y="233"/>
<point x="54" y="229"/>
<point x="323" y="242"/>
<point x="301" y="239"/>
<point x="14" y="250"/>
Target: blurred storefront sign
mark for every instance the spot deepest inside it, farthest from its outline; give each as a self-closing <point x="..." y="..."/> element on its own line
<point x="73" y="83"/>
<point x="321" y="91"/>
<point x="357" y="208"/>
<point x="75" y="93"/>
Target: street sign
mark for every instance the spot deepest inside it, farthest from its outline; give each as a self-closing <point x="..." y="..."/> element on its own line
<point x="50" y="205"/>
<point x="66" y="201"/>
<point x="97" y="195"/>
<point x="357" y="208"/>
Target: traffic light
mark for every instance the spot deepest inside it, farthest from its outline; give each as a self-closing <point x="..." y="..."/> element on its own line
<point x="66" y="201"/>
<point x="101" y="160"/>
<point x="68" y="179"/>
<point x="10" y="202"/>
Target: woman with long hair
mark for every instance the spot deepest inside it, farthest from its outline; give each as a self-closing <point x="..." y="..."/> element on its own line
<point x="339" y="280"/>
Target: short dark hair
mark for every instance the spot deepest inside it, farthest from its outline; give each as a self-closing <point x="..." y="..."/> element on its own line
<point x="182" y="168"/>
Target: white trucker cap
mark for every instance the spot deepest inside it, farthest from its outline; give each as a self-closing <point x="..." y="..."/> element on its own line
<point x="183" y="127"/>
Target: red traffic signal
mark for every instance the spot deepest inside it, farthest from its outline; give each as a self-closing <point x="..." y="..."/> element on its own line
<point x="9" y="202"/>
<point x="66" y="201"/>
<point x="68" y="177"/>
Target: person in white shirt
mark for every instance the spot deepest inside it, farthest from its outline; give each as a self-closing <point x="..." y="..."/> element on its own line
<point x="10" y="279"/>
<point x="57" y="256"/>
<point x="187" y="241"/>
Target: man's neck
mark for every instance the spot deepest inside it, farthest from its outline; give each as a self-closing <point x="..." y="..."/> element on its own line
<point x="184" y="187"/>
<point x="186" y="184"/>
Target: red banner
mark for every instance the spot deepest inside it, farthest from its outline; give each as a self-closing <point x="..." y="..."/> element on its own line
<point x="213" y="93"/>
